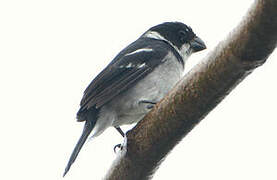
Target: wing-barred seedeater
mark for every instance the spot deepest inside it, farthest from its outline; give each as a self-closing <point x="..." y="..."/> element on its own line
<point x="137" y="78"/>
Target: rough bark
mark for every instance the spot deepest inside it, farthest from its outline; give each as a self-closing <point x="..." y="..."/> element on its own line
<point x="246" y="48"/>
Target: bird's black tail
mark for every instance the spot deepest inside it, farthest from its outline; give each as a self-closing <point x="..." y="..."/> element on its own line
<point x="86" y="131"/>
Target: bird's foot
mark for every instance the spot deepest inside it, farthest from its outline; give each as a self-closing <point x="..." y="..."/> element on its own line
<point x="118" y="146"/>
<point x="149" y="105"/>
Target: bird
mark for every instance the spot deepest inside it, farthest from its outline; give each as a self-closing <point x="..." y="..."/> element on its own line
<point x="135" y="80"/>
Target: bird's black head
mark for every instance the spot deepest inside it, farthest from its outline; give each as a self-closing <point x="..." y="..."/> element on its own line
<point x="179" y="34"/>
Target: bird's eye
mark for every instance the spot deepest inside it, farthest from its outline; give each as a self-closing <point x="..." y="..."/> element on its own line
<point x="183" y="35"/>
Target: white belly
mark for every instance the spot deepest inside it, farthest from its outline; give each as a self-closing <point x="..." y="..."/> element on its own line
<point x="126" y="109"/>
<point x="152" y="88"/>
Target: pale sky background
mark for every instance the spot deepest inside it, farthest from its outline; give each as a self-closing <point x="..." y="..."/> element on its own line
<point x="51" y="50"/>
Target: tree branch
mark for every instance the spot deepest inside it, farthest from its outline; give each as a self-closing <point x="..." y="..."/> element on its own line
<point x="247" y="47"/>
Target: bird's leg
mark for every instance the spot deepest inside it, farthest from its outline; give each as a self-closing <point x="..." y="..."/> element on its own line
<point x="150" y="104"/>
<point x="123" y="135"/>
<point x="120" y="131"/>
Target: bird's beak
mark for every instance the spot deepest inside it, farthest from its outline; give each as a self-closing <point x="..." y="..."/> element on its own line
<point x="197" y="44"/>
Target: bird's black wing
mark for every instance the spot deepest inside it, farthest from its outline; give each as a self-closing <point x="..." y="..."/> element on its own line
<point x="128" y="67"/>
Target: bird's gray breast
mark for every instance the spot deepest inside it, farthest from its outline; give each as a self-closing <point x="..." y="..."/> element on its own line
<point x="151" y="88"/>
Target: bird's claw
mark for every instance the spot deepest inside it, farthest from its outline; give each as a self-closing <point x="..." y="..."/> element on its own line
<point x="149" y="105"/>
<point x="117" y="146"/>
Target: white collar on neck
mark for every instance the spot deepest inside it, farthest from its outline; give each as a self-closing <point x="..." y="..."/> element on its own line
<point x="184" y="49"/>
